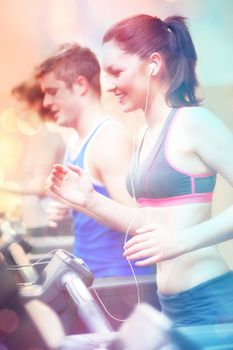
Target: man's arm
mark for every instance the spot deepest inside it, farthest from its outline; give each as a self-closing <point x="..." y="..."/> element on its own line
<point x="108" y="161"/>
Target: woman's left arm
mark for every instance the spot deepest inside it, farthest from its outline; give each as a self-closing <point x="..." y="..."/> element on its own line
<point x="214" y="145"/>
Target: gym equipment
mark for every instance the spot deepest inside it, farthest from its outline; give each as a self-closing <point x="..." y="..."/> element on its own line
<point x="15" y="248"/>
<point x="68" y="276"/>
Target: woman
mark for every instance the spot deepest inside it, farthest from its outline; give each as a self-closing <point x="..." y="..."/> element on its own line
<point x="150" y="65"/>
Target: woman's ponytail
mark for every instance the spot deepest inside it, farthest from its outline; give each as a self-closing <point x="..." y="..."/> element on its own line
<point x="180" y="60"/>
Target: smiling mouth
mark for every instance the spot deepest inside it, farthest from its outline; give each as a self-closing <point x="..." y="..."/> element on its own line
<point x="120" y="97"/>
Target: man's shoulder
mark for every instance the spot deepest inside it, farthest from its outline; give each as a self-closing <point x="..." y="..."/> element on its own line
<point x="112" y="128"/>
<point x="112" y="140"/>
<point x="112" y="122"/>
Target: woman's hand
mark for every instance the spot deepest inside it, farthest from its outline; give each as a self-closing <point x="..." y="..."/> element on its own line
<point x="70" y="185"/>
<point x="154" y="243"/>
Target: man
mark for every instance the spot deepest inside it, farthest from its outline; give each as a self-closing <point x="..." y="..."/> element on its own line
<point x="71" y="83"/>
<point x="35" y="139"/>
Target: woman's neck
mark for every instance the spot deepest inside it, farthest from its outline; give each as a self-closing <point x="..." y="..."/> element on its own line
<point x="157" y="111"/>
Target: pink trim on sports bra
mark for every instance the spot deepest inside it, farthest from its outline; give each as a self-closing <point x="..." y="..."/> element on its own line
<point x="210" y="173"/>
<point x="178" y="200"/>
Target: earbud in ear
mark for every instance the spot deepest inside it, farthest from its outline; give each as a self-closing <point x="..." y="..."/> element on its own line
<point x="152" y="67"/>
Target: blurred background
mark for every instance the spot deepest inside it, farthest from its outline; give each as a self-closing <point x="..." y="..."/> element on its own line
<point x="31" y="30"/>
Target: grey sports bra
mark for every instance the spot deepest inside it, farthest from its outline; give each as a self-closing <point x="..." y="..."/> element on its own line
<point x="157" y="183"/>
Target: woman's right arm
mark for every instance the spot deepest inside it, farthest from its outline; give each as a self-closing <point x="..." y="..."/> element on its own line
<point x="73" y="187"/>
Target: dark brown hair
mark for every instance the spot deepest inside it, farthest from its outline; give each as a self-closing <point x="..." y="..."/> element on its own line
<point x="70" y="61"/>
<point x="144" y="34"/>
<point x="30" y="91"/>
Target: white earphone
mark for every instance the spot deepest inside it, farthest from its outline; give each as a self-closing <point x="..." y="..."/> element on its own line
<point x="152" y="67"/>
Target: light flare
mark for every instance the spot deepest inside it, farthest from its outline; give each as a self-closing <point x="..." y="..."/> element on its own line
<point x="8" y="120"/>
<point x="29" y="123"/>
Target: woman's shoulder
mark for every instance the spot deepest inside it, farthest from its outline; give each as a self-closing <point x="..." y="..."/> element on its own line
<point x="197" y="112"/>
<point x="198" y="116"/>
<point x="199" y="124"/>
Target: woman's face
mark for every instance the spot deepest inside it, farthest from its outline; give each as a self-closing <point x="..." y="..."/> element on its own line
<point x="126" y="76"/>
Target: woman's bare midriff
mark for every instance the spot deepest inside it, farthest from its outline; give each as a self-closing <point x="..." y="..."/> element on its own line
<point x="188" y="270"/>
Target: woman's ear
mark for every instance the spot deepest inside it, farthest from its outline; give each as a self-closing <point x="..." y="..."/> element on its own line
<point x="155" y="63"/>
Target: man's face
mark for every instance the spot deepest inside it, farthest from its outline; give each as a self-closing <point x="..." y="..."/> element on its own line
<point x="62" y="100"/>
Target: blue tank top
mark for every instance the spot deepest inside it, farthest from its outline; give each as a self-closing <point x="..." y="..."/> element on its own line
<point x="156" y="182"/>
<point x="100" y="247"/>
